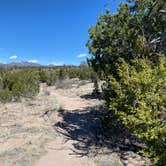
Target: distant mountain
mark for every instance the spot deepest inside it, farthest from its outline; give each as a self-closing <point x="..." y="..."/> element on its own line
<point x="51" y="65"/>
<point x="20" y="64"/>
<point x="30" y="64"/>
<point x="2" y="64"/>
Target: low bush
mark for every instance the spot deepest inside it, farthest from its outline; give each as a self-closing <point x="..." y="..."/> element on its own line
<point x="5" y="95"/>
<point x="138" y="97"/>
<point x="51" y="78"/>
<point x="21" y="83"/>
<point x="42" y="76"/>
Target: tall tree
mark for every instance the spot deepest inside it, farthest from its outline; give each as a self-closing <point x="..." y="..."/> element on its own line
<point x="129" y="49"/>
<point x="137" y="30"/>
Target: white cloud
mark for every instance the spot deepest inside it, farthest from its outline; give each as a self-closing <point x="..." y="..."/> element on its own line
<point x="13" y="57"/>
<point x="33" y="61"/>
<point x="57" y="63"/>
<point x="82" y="55"/>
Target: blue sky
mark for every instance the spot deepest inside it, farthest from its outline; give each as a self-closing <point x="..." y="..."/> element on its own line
<point x="48" y="31"/>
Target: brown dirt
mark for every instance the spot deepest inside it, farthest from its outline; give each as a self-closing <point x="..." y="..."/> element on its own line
<point x="23" y="130"/>
<point x="80" y="141"/>
<point x="61" y="127"/>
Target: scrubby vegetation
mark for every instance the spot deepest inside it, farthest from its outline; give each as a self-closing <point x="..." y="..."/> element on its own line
<point x="128" y="51"/>
<point x="16" y="84"/>
<point x="54" y="74"/>
<point x="24" y="82"/>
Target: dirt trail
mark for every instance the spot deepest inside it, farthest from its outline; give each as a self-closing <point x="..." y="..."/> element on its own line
<point x="80" y="141"/>
<point x="38" y="132"/>
<point x="60" y="151"/>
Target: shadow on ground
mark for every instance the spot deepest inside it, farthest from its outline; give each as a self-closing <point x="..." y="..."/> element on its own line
<point x="92" y="96"/>
<point x="84" y="127"/>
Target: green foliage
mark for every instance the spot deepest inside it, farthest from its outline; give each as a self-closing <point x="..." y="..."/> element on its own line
<point x="51" y="78"/>
<point x="84" y="72"/>
<point x="126" y="50"/>
<point x="24" y="82"/>
<point x="138" y="97"/>
<point x="135" y="31"/>
<point x="21" y="83"/>
<point x="5" y="95"/>
<point x="42" y="76"/>
<point x="48" y="76"/>
<point x="62" y="73"/>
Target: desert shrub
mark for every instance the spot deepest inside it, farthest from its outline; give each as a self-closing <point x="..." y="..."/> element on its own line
<point x="31" y="84"/>
<point x="62" y="73"/>
<point x="73" y="72"/>
<point x="51" y="78"/>
<point x="138" y="97"/>
<point x="43" y="76"/>
<point x="85" y="72"/>
<point x="21" y="83"/>
<point x="48" y="76"/>
<point x="5" y="95"/>
<point x="18" y="89"/>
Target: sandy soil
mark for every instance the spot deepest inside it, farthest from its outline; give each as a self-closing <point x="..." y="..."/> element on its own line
<point x="80" y="141"/>
<point x="61" y="149"/>
<point x="23" y="129"/>
<point x="62" y="127"/>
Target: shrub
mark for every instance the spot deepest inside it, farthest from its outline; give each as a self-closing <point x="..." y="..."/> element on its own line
<point x="18" y="89"/>
<point x="5" y="95"/>
<point x="51" y="78"/>
<point x="42" y="76"/>
<point x="62" y="73"/>
<point x="22" y="83"/>
<point x="138" y="97"/>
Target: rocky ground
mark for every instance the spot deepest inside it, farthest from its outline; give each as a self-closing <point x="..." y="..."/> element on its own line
<point x="62" y="126"/>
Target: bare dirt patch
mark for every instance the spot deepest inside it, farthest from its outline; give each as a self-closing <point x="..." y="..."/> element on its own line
<point x="23" y="130"/>
<point x="82" y="140"/>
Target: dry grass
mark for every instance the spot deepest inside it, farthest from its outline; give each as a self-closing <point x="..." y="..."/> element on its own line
<point x="23" y="130"/>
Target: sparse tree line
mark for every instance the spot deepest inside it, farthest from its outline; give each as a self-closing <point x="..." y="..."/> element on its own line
<point x="25" y="82"/>
<point x="129" y="51"/>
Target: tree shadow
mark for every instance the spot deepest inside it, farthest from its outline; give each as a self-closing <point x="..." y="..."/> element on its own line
<point x="92" y="96"/>
<point x="89" y="135"/>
